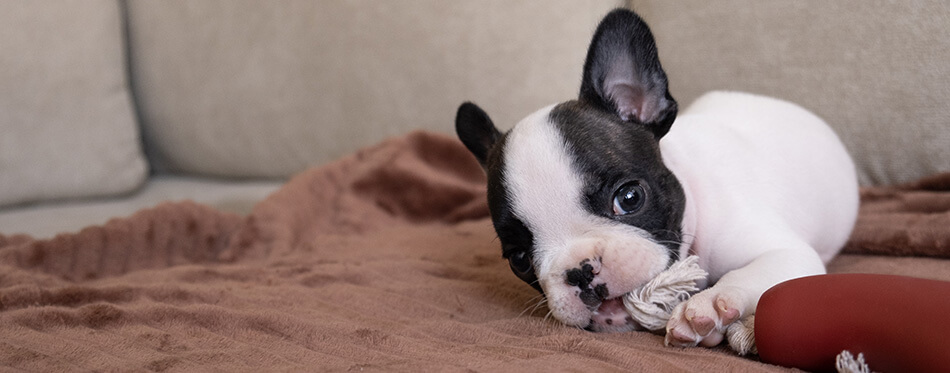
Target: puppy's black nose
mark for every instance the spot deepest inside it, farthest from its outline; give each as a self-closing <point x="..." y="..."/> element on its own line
<point x="580" y="277"/>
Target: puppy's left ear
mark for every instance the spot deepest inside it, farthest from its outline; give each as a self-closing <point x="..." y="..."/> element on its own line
<point x="476" y="130"/>
<point x="622" y="73"/>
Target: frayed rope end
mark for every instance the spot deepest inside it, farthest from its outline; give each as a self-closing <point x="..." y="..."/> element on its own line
<point x="847" y="363"/>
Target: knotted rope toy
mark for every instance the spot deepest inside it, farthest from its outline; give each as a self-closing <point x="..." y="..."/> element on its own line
<point x="652" y="304"/>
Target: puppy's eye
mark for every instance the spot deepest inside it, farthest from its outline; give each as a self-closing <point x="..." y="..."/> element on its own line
<point x="520" y="263"/>
<point x="629" y="198"/>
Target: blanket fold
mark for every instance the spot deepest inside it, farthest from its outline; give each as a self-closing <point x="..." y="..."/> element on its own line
<point x="906" y="220"/>
<point x="383" y="260"/>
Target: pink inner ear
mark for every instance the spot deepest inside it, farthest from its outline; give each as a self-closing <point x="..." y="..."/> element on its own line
<point x="632" y="97"/>
<point x="629" y="101"/>
<point x="632" y="102"/>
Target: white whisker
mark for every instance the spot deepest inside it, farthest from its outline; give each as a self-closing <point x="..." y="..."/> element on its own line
<point x="539" y="300"/>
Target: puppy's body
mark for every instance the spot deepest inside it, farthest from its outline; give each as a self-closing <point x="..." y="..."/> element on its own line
<point x="759" y="174"/>
<point x="592" y="198"/>
<point x="771" y="194"/>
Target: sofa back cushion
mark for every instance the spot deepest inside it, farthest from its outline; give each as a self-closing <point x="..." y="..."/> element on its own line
<point x="251" y="89"/>
<point x="67" y="127"/>
<point x="877" y="72"/>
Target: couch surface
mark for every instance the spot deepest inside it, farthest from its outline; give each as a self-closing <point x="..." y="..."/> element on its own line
<point x="67" y="121"/>
<point x="48" y="219"/>
<point x="236" y="89"/>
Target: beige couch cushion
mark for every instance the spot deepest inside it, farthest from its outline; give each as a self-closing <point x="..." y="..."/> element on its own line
<point x="877" y="72"/>
<point x="238" y="88"/>
<point x="67" y="127"/>
<point x="47" y="220"/>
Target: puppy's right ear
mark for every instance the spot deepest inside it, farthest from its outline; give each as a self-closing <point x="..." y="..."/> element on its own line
<point x="476" y="131"/>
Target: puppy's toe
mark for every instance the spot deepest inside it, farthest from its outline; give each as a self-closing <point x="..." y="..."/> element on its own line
<point x="681" y="336"/>
<point x="702" y="325"/>
<point x="679" y="332"/>
<point x="728" y="311"/>
<point x="701" y="315"/>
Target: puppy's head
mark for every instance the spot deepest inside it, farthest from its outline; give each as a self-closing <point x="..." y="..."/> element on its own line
<point x="583" y="206"/>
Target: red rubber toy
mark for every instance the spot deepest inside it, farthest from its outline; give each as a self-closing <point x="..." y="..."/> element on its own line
<point x="900" y="324"/>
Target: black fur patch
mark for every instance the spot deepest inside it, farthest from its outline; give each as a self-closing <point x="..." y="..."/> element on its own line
<point x="609" y="153"/>
<point x="514" y="235"/>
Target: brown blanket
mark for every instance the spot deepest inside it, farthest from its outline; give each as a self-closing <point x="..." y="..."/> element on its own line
<point x="384" y="260"/>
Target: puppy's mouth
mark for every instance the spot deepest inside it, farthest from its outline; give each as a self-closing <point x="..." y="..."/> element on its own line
<point x="612" y="317"/>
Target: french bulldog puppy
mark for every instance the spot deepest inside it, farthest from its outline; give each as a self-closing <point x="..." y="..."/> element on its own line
<point x="592" y="198"/>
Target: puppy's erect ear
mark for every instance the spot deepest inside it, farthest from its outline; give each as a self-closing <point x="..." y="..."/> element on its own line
<point x="622" y="73"/>
<point x="476" y="131"/>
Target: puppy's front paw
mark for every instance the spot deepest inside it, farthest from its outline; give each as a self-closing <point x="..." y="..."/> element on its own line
<point x="703" y="319"/>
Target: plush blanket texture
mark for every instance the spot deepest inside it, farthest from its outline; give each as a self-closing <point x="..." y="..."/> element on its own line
<point x="382" y="261"/>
